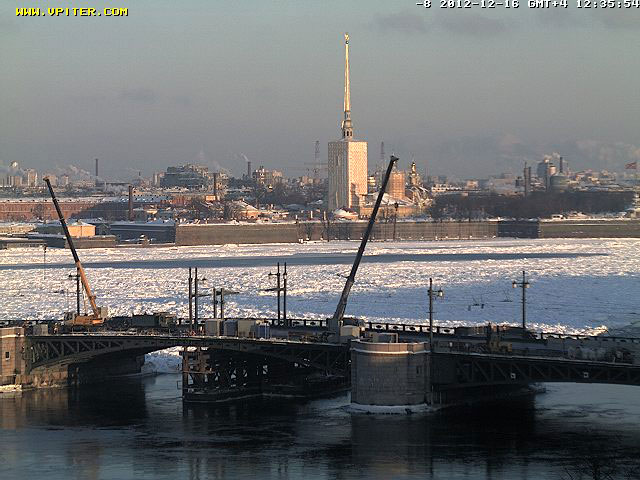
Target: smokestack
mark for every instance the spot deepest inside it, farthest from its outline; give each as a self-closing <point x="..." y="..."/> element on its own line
<point x="248" y="170"/>
<point x="561" y="165"/>
<point x="215" y="185"/>
<point x="547" y="176"/>
<point x="96" y="167"/>
<point x="131" y="203"/>
<point x="527" y="179"/>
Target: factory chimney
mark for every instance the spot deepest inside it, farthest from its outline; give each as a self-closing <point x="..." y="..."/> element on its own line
<point x="131" y="203"/>
<point x="527" y="180"/>
<point x="215" y="185"/>
<point x="248" y="170"/>
<point x="561" y="165"/>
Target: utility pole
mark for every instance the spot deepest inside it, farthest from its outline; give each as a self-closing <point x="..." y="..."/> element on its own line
<point x="195" y="301"/>
<point x="220" y="293"/>
<point x="222" y="303"/>
<point x="278" y="276"/>
<point x="190" y="301"/>
<point x="278" y="288"/>
<point x="432" y="293"/>
<point x="44" y="263"/>
<point x="524" y="284"/>
<point x="284" y="277"/>
<point x="395" y="219"/>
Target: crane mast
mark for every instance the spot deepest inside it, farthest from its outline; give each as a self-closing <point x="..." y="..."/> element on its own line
<point x="336" y="320"/>
<point x="85" y="320"/>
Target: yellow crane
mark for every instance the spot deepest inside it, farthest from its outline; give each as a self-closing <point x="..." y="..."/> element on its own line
<point x="78" y="320"/>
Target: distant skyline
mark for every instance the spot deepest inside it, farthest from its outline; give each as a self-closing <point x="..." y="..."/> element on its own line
<point x="467" y="92"/>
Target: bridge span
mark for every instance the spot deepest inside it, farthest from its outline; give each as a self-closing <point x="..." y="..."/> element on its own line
<point x="223" y="367"/>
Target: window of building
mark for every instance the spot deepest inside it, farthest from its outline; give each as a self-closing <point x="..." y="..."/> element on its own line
<point x="7" y="355"/>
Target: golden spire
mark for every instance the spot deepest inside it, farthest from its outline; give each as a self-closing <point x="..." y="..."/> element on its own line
<point x="347" y="130"/>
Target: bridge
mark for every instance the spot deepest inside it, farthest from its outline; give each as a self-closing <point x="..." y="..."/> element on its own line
<point x="224" y="367"/>
<point x="46" y="350"/>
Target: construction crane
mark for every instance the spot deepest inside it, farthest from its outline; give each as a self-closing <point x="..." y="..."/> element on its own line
<point x="85" y="321"/>
<point x="335" y="322"/>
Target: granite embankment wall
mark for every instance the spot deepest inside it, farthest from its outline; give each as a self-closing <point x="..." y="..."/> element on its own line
<point x="218" y="234"/>
<point x="629" y="228"/>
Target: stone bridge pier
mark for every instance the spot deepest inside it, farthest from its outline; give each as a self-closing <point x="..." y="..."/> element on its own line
<point x="389" y="374"/>
<point x="409" y="374"/>
<point x="11" y="361"/>
<point x="16" y="366"/>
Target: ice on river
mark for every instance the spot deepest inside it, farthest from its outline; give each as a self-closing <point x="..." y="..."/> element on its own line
<point x="576" y="284"/>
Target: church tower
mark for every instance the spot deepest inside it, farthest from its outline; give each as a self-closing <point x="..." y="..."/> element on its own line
<point x="347" y="157"/>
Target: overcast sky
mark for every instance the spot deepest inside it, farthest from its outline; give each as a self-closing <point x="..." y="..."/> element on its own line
<point x="466" y="92"/>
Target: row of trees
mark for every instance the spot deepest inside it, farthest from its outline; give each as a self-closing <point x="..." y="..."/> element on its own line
<point x="536" y="205"/>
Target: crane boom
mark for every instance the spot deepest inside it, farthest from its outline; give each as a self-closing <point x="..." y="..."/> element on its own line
<point x="76" y="259"/>
<point x="342" y="304"/>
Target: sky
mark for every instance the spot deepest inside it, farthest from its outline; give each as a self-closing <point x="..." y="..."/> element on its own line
<point x="463" y="92"/>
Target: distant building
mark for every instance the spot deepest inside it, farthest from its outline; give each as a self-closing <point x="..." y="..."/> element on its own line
<point x="186" y="176"/>
<point x="267" y="178"/>
<point x="396" y="185"/>
<point x="32" y="178"/>
<point x="440" y="188"/>
<point x="414" y="176"/>
<point x="243" y="211"/>
<point x="77" y="229"/>
<point x="26" y="209"/>
<point x="347" y="159"/>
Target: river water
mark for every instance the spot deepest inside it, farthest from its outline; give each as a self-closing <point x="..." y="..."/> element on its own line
<point x="139" y="428"/>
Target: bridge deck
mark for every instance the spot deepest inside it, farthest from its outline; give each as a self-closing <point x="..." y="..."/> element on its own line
<point x="450" y="367"/>
<point x="49" y="349"/>
<point x="457" y="369"/>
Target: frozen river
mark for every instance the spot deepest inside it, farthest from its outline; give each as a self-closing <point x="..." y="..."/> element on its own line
<point x="139" y="428"/>
<point x="577" y="285"/>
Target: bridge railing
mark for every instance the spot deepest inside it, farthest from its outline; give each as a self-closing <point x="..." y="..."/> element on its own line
<point x="410" y="329"/>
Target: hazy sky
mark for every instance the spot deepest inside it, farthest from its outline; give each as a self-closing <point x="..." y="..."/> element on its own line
<point x="467" y="92"/>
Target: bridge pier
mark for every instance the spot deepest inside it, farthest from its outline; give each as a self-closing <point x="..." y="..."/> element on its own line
<point x="16" y="364"/>
<point x="409" y="375"/>
<point x="213" y="375"/>
<point x="390" y="374"/>
<point x="11" y="361"/>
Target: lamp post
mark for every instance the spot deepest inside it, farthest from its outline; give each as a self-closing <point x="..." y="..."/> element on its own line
<point x="432" y="293"/>
<point x="44" y="263"/>
<point x="524" y="284"/>
<point x="190" y="302"/>
<point x="278" y="289"/>
<point x="284" y="296"/>
<point x="196" y="296"/>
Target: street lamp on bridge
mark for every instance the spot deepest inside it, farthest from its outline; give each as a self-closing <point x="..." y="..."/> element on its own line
<point x="432" y="293"/>
<point x="524" y="284"/>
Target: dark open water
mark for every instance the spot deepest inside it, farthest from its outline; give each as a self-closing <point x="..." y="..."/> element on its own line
<point x="139" y="428"/>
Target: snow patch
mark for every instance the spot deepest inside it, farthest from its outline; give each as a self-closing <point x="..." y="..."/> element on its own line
<point x="163" y="361"/>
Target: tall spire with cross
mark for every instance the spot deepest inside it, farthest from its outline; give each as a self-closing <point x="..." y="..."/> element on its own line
<point x="347" y="129"/>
